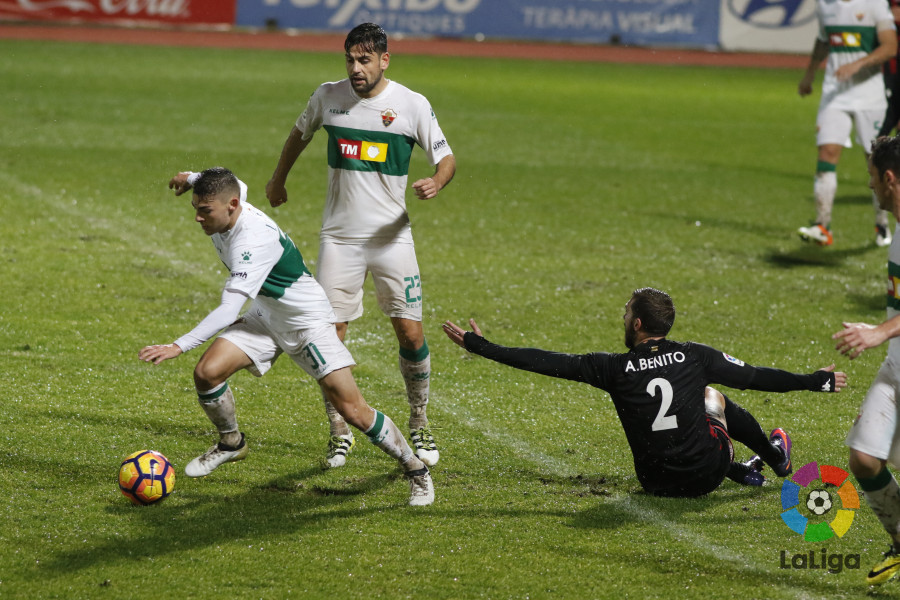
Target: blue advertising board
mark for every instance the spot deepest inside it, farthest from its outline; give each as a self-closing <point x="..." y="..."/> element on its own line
<point x="692" y="23"/>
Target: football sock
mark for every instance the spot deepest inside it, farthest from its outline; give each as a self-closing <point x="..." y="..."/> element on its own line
<point x="218" y="404"/>
<point x="385" y="434"/>
<point x="335" y="421"/>
<point x="825" y="188"/>
<point x="744" y="428"/>
<point x="883" y="496"/>
<point x="415" y="366"/>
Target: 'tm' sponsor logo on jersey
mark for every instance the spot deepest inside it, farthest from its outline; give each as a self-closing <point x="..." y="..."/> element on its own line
<point x="370" y="151"/>
<point x="845" y="39"/>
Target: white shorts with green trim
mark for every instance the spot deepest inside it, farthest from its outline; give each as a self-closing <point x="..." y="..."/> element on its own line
<point x="317" y="350"/>
<point x="834" y="125"/>
<point x="342" y="270"/>
<point x="875" y="430"/>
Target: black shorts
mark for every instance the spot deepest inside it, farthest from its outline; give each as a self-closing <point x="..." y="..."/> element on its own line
<point x="708" y="473"/>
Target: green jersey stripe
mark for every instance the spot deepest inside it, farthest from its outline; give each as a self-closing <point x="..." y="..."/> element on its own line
<point x="388" y="153"/>
<point x="894" y="275"/>
<point x="289" y="268"/>
<point x="848" y="38"/>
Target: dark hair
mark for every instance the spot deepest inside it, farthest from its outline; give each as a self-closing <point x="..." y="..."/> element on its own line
<point x="886" y="155"/>
<point x="369" y="37"/>
<point x="214" y="181"/>
<point x="654" y="308"/>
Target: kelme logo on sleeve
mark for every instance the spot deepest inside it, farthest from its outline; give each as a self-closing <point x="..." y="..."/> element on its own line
<point x="370" y="151"/>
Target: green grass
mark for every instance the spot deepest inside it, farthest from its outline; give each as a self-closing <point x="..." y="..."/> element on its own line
<point x="577" y="183"/>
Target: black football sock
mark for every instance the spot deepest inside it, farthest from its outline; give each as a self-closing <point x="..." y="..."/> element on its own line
<point x="744" y="428"/>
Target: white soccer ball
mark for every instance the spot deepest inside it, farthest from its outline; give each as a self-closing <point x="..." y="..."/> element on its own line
<point x="818" y="502"/>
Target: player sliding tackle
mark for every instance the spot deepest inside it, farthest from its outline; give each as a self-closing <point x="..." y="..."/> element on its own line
<point x="679" y="429"/>
<point x="289" y="313"/>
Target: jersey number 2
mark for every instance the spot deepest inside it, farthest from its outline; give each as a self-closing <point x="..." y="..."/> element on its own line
<point x="662" y="421"/>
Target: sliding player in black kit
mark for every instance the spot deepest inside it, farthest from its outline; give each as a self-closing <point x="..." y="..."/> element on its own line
<point x="679" y="429"/>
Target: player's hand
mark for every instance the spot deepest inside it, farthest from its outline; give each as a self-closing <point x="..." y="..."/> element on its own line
<point x="456" y="333"/>
<point x="854" y="338"/>
<point x="276" y="193"/>
<point x="847" y="71"/>
<point x="426" y="188"/>
<point x="179" y="183"/>
<point x="840" y="378"/>
<point x="159" y="353"/>
<point x="805" y="88"/>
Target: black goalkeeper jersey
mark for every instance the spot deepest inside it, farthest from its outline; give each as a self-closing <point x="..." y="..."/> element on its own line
<point x="658" y="391"/>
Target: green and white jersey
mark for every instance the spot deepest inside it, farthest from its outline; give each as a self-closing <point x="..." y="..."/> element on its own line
<point x="850" y="27"/>
<point x="265" y="265"/>
<point x="370" y="142"/>
<point x="893" y="292"/>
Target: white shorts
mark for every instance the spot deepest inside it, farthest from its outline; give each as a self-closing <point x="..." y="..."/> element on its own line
<point x="342" y="270"/>
<point x="318" y="350"/>
<point x="833" y="126"/>
<point x="875" y="431"/>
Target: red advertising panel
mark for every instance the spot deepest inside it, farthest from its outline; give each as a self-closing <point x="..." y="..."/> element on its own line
<point x="171" y="12"/>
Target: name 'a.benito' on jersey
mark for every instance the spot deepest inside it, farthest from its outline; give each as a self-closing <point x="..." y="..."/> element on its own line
<point x="654" y="362"/>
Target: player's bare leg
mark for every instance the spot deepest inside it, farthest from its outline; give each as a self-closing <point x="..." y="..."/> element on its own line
<point x="882" y="494"/>
<point x="415" y="368"/>
<point x="341" y="389"/>
<point x="220" y="361"/>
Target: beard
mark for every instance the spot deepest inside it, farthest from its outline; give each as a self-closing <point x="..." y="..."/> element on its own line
<point x="364" y="87"/>
<point x="630" y="335"/>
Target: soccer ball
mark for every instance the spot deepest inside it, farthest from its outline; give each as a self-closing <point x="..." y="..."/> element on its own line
<point x="146" y="477"/>
<point x="819" y="502"/>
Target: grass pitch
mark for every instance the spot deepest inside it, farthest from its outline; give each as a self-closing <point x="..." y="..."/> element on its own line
<point x="577" y="183"/>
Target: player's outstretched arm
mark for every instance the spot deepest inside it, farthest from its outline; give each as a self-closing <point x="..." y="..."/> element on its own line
<point x="855" y="338"/>
<point x="180" y="183"/>
<point x="158" y="353"/>
<point x="840" y="378"/>
<point x="457" y="333"/>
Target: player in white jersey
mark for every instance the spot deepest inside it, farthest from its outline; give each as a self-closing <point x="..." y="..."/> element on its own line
<point x="373" y="125"/>
<point x="857" y="37"/>
<point x="874" y="439"/>
<point x="289" y="313"/>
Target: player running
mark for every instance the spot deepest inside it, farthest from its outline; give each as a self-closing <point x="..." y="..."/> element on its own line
<point x="679" y="430"/>
<point x="289" y="313"/>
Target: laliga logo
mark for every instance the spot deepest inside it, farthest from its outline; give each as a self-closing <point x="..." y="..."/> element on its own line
<point x="773" y="14"/>
<point x="799" y="498"/>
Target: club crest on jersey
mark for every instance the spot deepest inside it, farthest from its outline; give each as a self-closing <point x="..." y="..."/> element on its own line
<point x="387" y="117"/>
<point x="734" y="360"/>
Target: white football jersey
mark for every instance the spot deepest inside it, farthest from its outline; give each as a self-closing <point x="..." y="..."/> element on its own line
<point x="850" y="27"/>
<point x="370" y="142"/>
<point x="265" y="265"/>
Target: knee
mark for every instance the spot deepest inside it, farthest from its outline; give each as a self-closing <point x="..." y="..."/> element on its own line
<point x="207" y="376"/>
<point x="864" y="466"/>
<point x="715" y="404"/>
